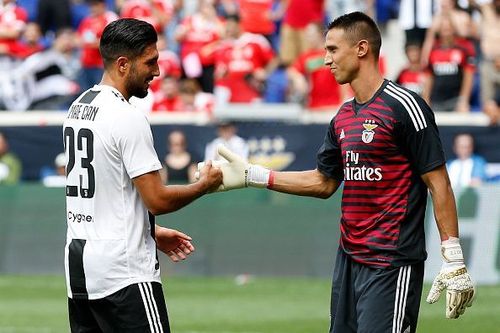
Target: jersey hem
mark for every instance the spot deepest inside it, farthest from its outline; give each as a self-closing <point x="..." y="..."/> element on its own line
<point x="118" y="287"/>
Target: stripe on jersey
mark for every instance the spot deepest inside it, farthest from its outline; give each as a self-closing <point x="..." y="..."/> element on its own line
<point x="412" y="102"/>
<point x="401" y="297"/>
<point x="150" y="308"/>
<point x="152" y="224"/>
<point x="411" y="106"/>
<point x="88" y="97"/>
<point x="76" y="272"/>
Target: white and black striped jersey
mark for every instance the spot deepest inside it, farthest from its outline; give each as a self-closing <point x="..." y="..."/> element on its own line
<point x="110" y="237"/>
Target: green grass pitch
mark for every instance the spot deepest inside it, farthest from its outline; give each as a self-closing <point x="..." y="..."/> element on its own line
<point x="219" y="305"/>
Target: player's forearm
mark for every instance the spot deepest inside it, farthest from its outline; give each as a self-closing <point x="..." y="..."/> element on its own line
<point x="445" y="211"/>
<point x="426" y="93"/>
<point x="466" y="88"/>
<point x="175" y="197"/>
<point x="310" y="183"/>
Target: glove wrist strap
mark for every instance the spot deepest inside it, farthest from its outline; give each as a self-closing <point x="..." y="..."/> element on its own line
<point x="451" y="253"/>
<point x="258" y="176"/>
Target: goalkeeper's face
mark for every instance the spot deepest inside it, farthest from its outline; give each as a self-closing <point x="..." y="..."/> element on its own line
<point x="143" y="70"/>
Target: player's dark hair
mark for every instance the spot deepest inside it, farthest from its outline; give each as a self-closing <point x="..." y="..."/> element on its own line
<point x="126" y="37"/>
<point x="358" y="26"/>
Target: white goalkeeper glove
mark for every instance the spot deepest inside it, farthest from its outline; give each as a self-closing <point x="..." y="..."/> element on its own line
<point x="237" y="172"/>
<point x="454" y="278"/>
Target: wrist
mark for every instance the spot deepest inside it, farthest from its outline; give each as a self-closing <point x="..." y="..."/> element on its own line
<point x="258" y="176"/>
<point x="451" y="253"/>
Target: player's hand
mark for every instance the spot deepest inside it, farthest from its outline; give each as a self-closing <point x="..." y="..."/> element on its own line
<point x="237" y="172"/>
<point x="453" y="278"/>
<point x="175" y="244"/>
<point x="209" y="175"/>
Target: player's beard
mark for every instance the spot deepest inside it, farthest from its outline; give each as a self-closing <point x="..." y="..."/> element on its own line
<point x="136" y="85"/>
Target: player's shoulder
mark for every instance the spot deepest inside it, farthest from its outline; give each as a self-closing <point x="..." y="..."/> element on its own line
<point x="406" y="104"/>
<point x="106" y="97"/>
<point x="401" y="98"/>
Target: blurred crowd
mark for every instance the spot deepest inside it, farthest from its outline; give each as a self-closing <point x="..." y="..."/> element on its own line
<point x="214" y="52"/>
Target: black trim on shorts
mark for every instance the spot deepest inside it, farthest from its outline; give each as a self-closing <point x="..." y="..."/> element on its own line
<point x="137" y="308"/>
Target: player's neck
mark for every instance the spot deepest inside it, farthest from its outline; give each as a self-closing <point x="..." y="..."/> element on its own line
<point x="109" y="80"/>
<point x="366" y="84"/>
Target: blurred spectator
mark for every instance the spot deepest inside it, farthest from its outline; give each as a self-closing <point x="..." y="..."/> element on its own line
<point x="31" y="8"/>
<point x="385" y="10"/>
<point x="13" y="19"/>
<point x="168" y="98"/>
<point x="339" y="7"/>
<point x="179" y="165"/>
<point x="277" y="14"/>
<point x="412" y="76"/>
<point x="168" y="62"/>
<point x="29" y="43"/>
<point x="257" y="17"/>
<point x="227" y="136"/>
<point x="311" y="78"/>
<point x="415" y="17"/>
<point x="49" y="77"/>
<point x="460" y="19"/>
<point x="490" y="60"/>
<point x="53" y="15"/>
<point x="198" y="36"/>
<point x="194" y="99"/>
<point x="156" y="12"/>
<point x="226" y="7"/>
<point x="298" y="14"/>
<point x="451" y="69"/>
<point x="277" y="86"/>
<point x="56" y="177"/>
<point x="241" y="65"/>
<point x="467" y="169"/>
<point x="491" y="94"/>
<point x="10" y="165"/>
<point x="89" y="32"/>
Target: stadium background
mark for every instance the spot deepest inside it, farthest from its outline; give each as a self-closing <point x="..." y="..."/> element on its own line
<point x="263" y="259"/>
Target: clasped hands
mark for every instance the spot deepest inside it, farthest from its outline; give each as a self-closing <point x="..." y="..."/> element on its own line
<point x="237" y="172"/>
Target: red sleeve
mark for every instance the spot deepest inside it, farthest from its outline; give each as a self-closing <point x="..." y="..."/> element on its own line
<point x="266" y="54"/>
<point x="22" y="14"/>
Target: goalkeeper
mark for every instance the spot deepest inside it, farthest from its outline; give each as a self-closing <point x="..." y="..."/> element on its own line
<point x="384" y="146"/>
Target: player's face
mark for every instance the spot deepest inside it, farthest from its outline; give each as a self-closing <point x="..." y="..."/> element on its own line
<point x="142" y="71"/>
<point x="341" y="56"/>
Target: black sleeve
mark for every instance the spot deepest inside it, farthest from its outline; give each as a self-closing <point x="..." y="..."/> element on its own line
<point x="329" y="157"/>
<point x="419" y="135"/>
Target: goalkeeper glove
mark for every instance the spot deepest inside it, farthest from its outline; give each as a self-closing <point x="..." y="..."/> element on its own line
<point x="454" y="278"/>
<point x="238" y="173"/>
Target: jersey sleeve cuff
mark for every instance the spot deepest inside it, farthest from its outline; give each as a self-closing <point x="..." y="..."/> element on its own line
<point x="144" y="170"/>
<point x="432" y="166"/>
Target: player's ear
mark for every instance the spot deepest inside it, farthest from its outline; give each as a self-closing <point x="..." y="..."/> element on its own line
<point x="362" y="48"/>
<point x="122" y="64"/>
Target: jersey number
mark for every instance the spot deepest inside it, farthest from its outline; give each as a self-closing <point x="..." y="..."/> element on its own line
<point x="70" y="142"/>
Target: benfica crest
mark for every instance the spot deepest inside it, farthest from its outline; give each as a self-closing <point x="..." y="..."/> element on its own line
<point x="368" y="133"/>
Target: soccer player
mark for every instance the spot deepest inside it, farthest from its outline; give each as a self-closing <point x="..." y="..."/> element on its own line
<point x="112" y="269"/>
<point x="384" y="146"/>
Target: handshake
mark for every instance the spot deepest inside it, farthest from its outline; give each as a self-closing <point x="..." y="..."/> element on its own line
<point x="237" y="172"/>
